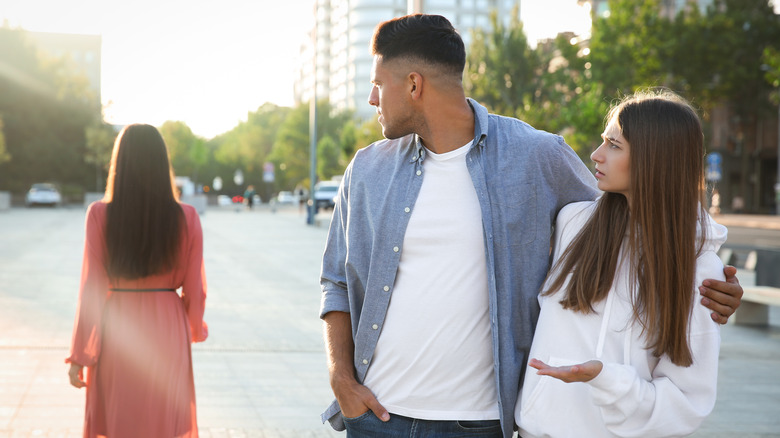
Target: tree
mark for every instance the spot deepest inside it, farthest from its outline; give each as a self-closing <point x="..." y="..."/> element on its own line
<point x="4" y="155"/>
<point x="100" y="139"/>
<point x="290" y="152"/>
<point x="502" y="71"/>
<point x="772" y="76"/>
<point x="180" y="140"/>
<point x="629" y="48"/>
<point x="328" y="158"/>
<point x="357" y="135"/>
<point x="45" y="107"/>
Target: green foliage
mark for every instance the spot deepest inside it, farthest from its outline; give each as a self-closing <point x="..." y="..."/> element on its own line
<point x="328" y="157"/>
<point x="99" y="139"/>
<point x="629" y="48"/>
<point x="4" y="155"/>
<point x="45" y="110"/>
<point x="502" y="70"/>
<point x="290" y="152"/>
<point x="180" y="141"/>
<point x="548" y="86"/>
<point x="772" y="76"/>
<point x="356" y="135"/>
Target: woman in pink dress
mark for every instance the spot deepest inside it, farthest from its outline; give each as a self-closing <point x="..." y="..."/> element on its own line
<point x="133" y="330"/>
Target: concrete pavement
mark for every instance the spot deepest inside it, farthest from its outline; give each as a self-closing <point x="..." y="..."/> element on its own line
<point x="262" y="371"/>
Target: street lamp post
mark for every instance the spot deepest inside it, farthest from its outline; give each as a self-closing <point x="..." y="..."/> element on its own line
<point x="777" y="184"/>
<point x="312" y="211"/>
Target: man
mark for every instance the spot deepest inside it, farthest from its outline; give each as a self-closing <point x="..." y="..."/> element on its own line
<point x="439" y="242"/>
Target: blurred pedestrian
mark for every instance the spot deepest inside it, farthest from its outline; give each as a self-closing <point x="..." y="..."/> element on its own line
<point x="301" y="200"/>
<point x="132" y="330"/>
<point x="619" y="309"/>
<point x="249" y="196"/>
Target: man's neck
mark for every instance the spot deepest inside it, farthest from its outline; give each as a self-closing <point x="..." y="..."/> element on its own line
<point x="450" y="128"/>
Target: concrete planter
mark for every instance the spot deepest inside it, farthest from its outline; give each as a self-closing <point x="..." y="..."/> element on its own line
<point x="5" y="201"/>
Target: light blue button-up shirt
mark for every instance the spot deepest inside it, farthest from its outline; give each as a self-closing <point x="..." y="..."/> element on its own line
<point x="522" y="177"/>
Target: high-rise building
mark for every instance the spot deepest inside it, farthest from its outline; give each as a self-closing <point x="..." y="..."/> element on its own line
<point x="343" y="32"/>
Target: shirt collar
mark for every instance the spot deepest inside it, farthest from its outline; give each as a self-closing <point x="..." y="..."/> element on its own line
<point x="480" y="130"/>
<point x="480" y="121"/>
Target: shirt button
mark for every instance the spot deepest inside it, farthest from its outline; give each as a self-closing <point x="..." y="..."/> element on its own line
<point x="395" y="249"/>
<point x="386" y="288"/>
<point x="365" y="362"/>
<point x="419" y="172"/>
<point x="374" y="326"/>
<point x="407" y="209"/>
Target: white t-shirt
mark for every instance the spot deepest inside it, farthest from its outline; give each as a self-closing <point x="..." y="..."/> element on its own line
<point x="434" y="357"/>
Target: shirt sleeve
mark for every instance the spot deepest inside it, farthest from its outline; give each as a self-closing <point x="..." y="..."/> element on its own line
<point x="93" y="293"/>
<point x="333" y="276"/>
<point x="677" y="399"/>
<point x="569" y="180"/>
<point x="194" y="285"/>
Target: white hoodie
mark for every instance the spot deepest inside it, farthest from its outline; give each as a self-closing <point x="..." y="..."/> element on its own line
<point x="636" y="394"/>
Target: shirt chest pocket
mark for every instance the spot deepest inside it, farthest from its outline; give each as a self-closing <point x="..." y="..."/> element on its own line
<point x="515" y="213"/>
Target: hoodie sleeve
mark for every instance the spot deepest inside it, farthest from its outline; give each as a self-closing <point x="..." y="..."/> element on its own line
<point x="677" y="399"/>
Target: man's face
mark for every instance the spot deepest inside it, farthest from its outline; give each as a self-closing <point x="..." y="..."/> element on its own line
<point x="391" y="94"/>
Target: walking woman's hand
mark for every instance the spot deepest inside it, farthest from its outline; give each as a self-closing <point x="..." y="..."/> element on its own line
<point x="583" y="372"/>
<point x="76" y="374"/>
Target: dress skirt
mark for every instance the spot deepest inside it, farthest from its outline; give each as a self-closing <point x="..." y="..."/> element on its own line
<point x="142" y="384"/>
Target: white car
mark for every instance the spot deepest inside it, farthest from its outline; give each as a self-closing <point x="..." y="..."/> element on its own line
<point x="43" y="194"/>
<point x="285" y="198"/>
<point x="325" y="193"/>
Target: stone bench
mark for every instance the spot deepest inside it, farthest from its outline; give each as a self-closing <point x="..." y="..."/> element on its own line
<point x="756" y="300"/>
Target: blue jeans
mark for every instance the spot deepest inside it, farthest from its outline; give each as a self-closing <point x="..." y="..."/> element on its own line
<point x="369" y="426"/>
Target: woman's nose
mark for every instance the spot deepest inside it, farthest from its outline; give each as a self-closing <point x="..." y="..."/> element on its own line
<point x="596" y="155"/>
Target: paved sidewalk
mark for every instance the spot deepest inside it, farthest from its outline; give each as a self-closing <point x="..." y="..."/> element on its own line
<point x="262" y="371"/>
<point x="749" y="221"/>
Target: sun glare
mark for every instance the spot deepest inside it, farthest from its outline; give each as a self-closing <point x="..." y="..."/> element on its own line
<point x="202" y="62"/>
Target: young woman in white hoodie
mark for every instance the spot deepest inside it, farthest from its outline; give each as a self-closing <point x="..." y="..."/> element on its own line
<point x="621" y="347"/>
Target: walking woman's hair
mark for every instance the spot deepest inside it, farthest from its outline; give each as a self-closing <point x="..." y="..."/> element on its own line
<point x="144" y="219"/>
<point x="666" y="191"/>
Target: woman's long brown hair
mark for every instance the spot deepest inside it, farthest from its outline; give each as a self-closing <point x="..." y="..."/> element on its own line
<point x="659" y="226"/>
<point x="144" y="219"/>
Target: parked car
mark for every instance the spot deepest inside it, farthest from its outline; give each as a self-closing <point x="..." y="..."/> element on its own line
<point x="43" y="194"/>
<point x="224" y="201"/>
<point x="325" y="194"/>
<point x="285" y="198"/>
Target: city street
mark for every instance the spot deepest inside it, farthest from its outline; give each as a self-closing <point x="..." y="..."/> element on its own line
<point x="262" y="371"/>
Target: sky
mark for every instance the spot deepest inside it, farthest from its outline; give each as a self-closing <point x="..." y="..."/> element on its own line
<point x="208" y="62"/>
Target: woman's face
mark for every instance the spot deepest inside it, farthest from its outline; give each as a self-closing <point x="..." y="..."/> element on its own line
<point x="611" y="158"/>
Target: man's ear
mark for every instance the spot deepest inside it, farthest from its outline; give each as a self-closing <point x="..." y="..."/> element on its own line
<point x="415" y="85"/>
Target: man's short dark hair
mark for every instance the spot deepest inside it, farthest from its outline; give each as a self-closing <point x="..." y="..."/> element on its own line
<point x="421" y="37"/>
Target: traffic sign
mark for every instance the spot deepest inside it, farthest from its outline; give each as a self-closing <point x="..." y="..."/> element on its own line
<point x="713" y="172"/>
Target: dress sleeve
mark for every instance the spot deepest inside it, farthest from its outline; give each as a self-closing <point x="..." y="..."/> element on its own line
<point x="194" y="285"/>
<point x="93" y="292"/>
<point x="677" y="399"/>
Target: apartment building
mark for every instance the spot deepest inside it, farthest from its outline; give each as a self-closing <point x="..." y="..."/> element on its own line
<point x="343" y="32"/>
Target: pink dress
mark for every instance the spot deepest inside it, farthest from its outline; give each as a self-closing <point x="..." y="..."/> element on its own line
<point x="136" y="345"/>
